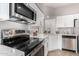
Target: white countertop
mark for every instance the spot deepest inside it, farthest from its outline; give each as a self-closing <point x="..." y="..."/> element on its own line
<point x="70" y="34"/>
<point x="42" y="36"/>
<point x="8" y="51"/>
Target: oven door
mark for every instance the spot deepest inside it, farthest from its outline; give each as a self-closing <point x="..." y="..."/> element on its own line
<point x="38" y="51"/>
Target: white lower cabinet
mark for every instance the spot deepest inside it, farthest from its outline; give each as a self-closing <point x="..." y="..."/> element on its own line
<point x="59" y="41"/>
<point x="54" y="42"/>
<point x="46" y="47"/>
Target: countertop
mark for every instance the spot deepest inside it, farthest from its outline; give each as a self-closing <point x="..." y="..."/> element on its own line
<point x="69" y="34"/>
<point x="8" y="51"/>
<point x="35" y="46"/>
<point x="42" y="36"/>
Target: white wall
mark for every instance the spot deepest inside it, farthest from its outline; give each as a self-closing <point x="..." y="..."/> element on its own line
<point x="4" y="11"/>
<point x="50" y="24"/>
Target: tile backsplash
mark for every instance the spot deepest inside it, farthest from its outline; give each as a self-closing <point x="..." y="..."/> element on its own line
<point x="67" y="30"/>
<point x="9" y="24"/>
<point x="12" y="25"/>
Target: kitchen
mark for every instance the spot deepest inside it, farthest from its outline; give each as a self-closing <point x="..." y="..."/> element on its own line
<point x="39" y="29"/>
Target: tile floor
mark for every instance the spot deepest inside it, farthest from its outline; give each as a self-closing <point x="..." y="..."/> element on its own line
<point x="62" y="53"/>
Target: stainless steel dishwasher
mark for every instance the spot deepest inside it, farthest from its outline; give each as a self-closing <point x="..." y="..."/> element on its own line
<point x="69" y="42"/>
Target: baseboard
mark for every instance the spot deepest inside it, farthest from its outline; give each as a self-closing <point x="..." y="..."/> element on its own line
<point x="53" y="50"/>
<point x="68" y="50"/>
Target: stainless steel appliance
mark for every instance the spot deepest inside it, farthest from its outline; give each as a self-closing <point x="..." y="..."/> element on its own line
<point x="69" y="42"/>
<point x="11" y="32"/>
<point x="23" y="12"/>
<point x="38" y="50"/>
<point x="18" y="12"/>
<point x="22" y="42"/>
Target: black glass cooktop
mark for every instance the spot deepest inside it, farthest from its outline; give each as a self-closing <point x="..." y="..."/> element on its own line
<point x="22" y="42"/>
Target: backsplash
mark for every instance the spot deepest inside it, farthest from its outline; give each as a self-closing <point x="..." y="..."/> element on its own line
<point x="12" y="25"/>
<point x="9" y="24"/>
<point x="68" y="30"/>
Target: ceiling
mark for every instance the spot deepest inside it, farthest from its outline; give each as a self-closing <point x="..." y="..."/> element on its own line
<point x="49" y="9"/>
<point x="54" y="5"/>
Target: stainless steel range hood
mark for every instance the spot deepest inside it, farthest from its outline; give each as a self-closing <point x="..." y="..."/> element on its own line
<point x="18" y="20"/>
<point x="22" y="21"/>
<point x="19" y="13"/>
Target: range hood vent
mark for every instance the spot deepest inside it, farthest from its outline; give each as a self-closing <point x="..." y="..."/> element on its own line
<point x="18" y="20"/>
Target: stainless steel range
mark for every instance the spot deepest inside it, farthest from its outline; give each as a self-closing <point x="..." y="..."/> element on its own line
<point x="22" y="42"/>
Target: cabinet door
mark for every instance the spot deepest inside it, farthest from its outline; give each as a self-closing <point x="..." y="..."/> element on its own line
<point x="68" y="21"/>
<point x="65" y="21"/>
<point x="4" y="11"/>
<point x="59" y="21"/>
<point x="53" y="42"/>
<point x="46" y="47"/>
<point x="59" y="37"/>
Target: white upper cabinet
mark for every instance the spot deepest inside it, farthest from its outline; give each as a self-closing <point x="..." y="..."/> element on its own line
<point x="4" y="11"/>
<point x="59" y="21"/>
<point x="65" y="21"/>
<point x="68" y="20"/>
